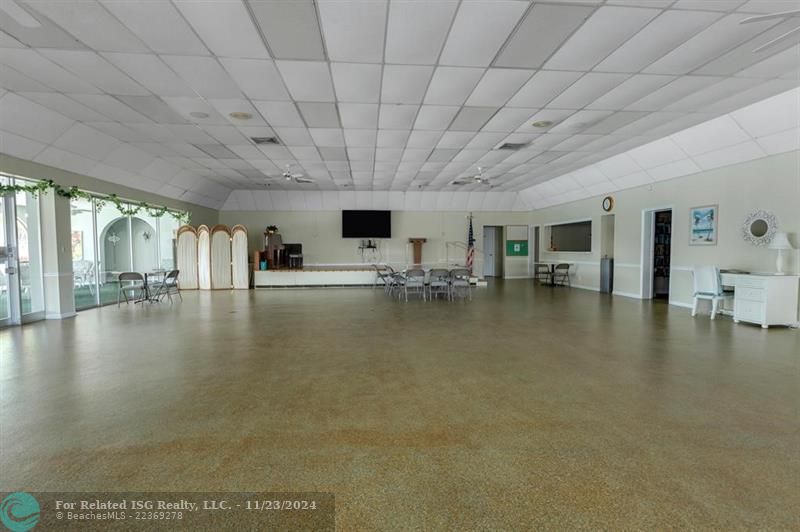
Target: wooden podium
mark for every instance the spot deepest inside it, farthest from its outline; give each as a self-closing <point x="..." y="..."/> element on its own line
<point x="417" y="242"/>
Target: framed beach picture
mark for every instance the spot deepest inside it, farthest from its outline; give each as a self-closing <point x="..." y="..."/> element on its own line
<point x="704" y="225"/>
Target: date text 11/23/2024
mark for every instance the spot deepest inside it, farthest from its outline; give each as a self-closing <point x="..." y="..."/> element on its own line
<point x="186" y="506"/>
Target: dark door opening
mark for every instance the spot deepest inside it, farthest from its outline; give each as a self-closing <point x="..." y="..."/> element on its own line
<point x="662" y="246"/>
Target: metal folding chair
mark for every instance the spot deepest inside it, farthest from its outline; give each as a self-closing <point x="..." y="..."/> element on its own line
<point x="438" y="282"/>
<point x="561" y="275"/>
<point x="130" y="282"/>
<point x="168" y="287"/>
<point x="543" y="274"/>
<point x="414" y="281"/>
<point x="459" y="284"/>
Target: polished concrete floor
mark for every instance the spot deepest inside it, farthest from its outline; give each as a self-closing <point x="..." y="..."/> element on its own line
<point x="528" y="408"/>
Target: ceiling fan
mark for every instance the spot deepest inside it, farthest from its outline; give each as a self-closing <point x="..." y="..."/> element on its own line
<point x="477" y="179"/>
<point x="776" y="40"/>
<point x="287" y="175"/>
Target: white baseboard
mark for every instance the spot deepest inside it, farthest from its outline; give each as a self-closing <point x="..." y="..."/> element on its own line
<point x="517" y="277"/>
<point x="65" y="315"/>
<point x="627" y="294"/>
<point x="585" y="287"/>
<point x="680" y="304"/>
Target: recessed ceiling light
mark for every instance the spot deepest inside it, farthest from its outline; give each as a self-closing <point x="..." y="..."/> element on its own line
<point x="542" y="123"/>
<point x="239" y="115"/>
<point x="198" y="114"/>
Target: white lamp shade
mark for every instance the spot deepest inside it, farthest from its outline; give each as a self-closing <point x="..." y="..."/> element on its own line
<point x="780" y="241"/>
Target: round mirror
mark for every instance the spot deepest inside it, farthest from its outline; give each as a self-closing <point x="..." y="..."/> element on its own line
<point x="759" y="227"/>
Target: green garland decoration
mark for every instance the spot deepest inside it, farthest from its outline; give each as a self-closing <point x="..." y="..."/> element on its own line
<point x="126" y="208"/>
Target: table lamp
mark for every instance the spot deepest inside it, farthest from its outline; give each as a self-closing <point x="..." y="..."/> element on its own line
<point x="780" y="242"/>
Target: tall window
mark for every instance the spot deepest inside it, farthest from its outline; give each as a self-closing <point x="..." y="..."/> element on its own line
<point x="29" y="252"/>
<point x="84" y="264"/>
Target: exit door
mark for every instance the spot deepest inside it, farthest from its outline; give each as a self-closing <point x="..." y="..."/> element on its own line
<point x="492" y="251"/>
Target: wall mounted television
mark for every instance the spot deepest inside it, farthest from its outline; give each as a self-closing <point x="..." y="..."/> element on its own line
<point x="366" y="224"/>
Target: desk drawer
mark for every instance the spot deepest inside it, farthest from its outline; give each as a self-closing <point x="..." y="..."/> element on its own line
<point x="749" y="311"/>
<point x="750" y="282"/>
<point x="749" y="294"/>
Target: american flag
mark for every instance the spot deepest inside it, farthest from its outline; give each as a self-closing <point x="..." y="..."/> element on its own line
<point x="470" y="246"/>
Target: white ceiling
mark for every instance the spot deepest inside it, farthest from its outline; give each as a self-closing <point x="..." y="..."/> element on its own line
<point x="400" y="95"/>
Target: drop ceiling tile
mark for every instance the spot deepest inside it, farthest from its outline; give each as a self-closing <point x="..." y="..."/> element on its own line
<point x="32" y="29"/>
<point x="452" y="85"/>
<point x="64" y="105"/>
<point x="784" y="141"/>
<point x="699" y="100"/>
<point x="543" y="87"/>
<point x="159" y="25"/>
<point x="39" y="68"/>
<point x="327" y="137"/>
<point x="31" y="120"/>
<point x="785" y="63"/>
<point x="91" y="24"/>
<point x="706" y="45"/>
<point x="118" y="131"/>
<point x="708" y="5"/>
<point x="225" y="27"/>
<point x="743" y="56"/>
<point x="317" y="114"/>
<point x="392" y="138"/>
<point x="745" y="151"/>
<point x="472" y="118"/>
<point x="616" y="121"/>
<point x="291" y="28"/>
<point x="353" y="29"/>
<point x="479" y="30"/>
<point x="185" y="106"/>
<point x="423" y="139"/>
<point x="631" y="90"/>
<point x="226" y="134"/>
<point x="618" y="166"/>
<point x="657" y="153"/>
<point x="153" y="108"/>
<point x="388" y="154"/>
<point x="541" y="32"/>
<point x="257" y="78"/>
<point x="129" y="158"/>
<point x="762" y="91"/>
<point x="416" y="154"/>
<point x="204" y="75"/>
<point x="587" y="89"/>
<point x="92" y="68"/>
<point x="360" y="138"/>
<point x="674" y="169"/>
<point x="228" y="106"/>
<point x="294" y="136"/>
<point x="435" y="117"/>
<point x="485" y="139"/>
<point x="87" y="142"/>
<point x="661" y="36"/>
<point x="280" y="114"/>
<point x="508" y="119"/>
<point x="770" y="116"/>
<point x="712" y="135"/>
<point x="334" y="154"/>
<point x="151" y="72"/>
<point x="580" y="121"/>
<point x="392" y="116"/>
<point x="455" y="139"/>
<point x="356" y="82"/>
<point x="672" y="92"/>
<point x="592" y="42"/>
<point x="308" y="81"/>
<point x="417" y="29"/>
<point x="497" y="86"/>
<point x="405" y="83"/>
<point x="359" y="115"/>
<point x="11" y="80"/>
<point x="21" y="147"/>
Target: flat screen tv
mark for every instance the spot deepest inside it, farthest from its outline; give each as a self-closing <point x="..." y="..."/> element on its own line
<point x="366" y="224"/>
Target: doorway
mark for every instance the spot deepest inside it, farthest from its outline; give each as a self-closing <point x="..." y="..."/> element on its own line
<point x="656" y="253"/>
<point x="492" y="251"/>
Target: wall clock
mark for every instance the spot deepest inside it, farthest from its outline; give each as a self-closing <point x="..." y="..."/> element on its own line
<point x="608" y="203"/>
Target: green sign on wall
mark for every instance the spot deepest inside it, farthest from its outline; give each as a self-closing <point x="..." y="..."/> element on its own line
<point x="516" y="248"/>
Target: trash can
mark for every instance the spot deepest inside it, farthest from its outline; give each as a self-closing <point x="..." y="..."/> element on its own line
<point x="606" y="275"/>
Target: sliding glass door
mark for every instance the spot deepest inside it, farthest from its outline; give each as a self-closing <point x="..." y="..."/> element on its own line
<point x="21" y="282"/>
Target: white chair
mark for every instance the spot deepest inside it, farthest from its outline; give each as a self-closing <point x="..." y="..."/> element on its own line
<point x="708" y="286"/>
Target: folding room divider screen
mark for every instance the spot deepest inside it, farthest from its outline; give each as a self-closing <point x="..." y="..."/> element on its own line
<point x="220" y="257"/>
<point x="239" y="256"/>
<point x="204" y="257"/>
<point x="187" y="257"/>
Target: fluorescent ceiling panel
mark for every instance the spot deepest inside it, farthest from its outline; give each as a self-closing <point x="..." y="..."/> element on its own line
<point x="497" y="86"/>
<point x="258" y="78"/>
<point x="359" y="115"/>
<point x="405" y="83"/>
<point x="662" y="35"/>
<point x="92" y="68"/>
<point x="355" y="82"/>
<point x="225" y="27"/>
<point x="159" y="25"/>
<point x="291" y="28"/>
<point x="540" y="34"/>
<point x="319" y="114"/>
<point x="91" y="24"/>
<point x="417" y="30"/>
<point x="594" y="40"/>
<point x="308" y="81"/>
<point x="479" y="30"/>
<point x="204" y="75"/>
<point x="353" y="29"/>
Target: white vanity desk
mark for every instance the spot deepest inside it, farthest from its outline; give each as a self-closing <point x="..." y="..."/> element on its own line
<point x="764" y="299"/>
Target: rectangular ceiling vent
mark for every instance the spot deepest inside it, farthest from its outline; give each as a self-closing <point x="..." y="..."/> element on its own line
<point x="514" y="146"/>
<point x="265" y="140"/>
